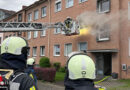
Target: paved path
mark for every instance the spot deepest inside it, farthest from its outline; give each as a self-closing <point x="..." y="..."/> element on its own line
<point x="48" y="86"/>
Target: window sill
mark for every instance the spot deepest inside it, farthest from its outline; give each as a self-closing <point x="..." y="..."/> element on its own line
<point x="69" y="7"/>
<point x="83" y="2"/>
<point x="57" y="11"/>
<point x="43" y="35"/>
<point x="42" y="55"/>
<point x="34" y="55"/>
<point x="104" y="39"/>
<point x="56" y="55"/>
<point x="43" y="16"/>
<point x="101" y="12"/>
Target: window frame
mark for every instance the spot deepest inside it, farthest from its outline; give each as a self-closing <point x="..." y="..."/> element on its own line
<point x="29" y="33"/>
<point x="35" y="14"/>
<point x="79" y="45"/>
<point x="54" y="52"/>
<point x="41" y="34"/>
<point x="42" y="54"/>
<point x="42" y="10"/>
<point x="100" y="4"/>
<point x="29" y="17"/>
<point x="56" y="3"/>
<point x="80" y="1"/>
<point x="33" y="51"/>
<point x="34" y="34"/>
<point x="65" y="50"/>
<point x="67" y="6"/>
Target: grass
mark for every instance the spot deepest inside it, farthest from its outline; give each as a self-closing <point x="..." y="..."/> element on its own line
<point x="126" y="85"/>
<point x="59" y="76"/>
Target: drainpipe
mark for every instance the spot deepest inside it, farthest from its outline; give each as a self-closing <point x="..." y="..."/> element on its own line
<point x="49" y="30"/>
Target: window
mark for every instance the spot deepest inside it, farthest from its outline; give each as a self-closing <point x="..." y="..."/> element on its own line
<point x="43" y="11"/>
<point x="82" y="46"/>
<point x="80" y="1"/>
<point x="103" y="5"/>
<point x="69" y="3"/>
<point x="29" y="35"/>
<point x="29" y="17"/>
<point x="103" y="33"/>
<point x="58" y="5"/>
<point x="129" y="46"/>
<point x="19" y="17"/>
<point x="34" y="51"/>
<point x="42" y="50"/>
<point x="57" y="30"/>
<point x="57" y="50"/>
<point x="35" y="34"/>
<point x="29" y="52"/>
<point x="43" y="32"/>
<point x="68" y="49"/>
<point x="36" y="15"/>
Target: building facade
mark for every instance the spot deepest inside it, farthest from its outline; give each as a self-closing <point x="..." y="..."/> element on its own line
<point x="110" y="51"/>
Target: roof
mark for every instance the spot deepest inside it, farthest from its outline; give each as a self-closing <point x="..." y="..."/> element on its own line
<point x="103" y="50"/>
<point x="7" y="11"/>
<point x="27" y="7"/>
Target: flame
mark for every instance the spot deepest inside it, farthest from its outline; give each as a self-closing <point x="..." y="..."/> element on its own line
<point x="85" y="31"/>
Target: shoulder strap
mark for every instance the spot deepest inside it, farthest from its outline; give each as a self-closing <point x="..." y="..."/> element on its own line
<point x="16" y="76"/>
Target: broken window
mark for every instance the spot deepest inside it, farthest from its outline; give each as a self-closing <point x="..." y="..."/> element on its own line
<point x="103" y="5"/>
<point x="103" y="33"/>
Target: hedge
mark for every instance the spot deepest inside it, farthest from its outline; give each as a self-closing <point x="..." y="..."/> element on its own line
<point x="46" y="74"/>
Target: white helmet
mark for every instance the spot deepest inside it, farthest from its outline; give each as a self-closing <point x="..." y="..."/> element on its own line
<point x="30" y="61"/>
<point x="80" y="66"/>
<point x="14" y="45"/>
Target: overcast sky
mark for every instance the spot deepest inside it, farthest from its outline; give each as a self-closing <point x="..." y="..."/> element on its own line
<point x="15" y="5"/>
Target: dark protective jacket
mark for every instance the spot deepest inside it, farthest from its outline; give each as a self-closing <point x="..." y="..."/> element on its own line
<point x="30" y="71"/>
<point x="80" y="84"/>
<point x="18" y="63"/>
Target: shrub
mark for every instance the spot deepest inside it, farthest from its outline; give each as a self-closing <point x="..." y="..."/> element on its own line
<point x="44" y="62"/>
<point x="46" y="74"/>
<point x="56" y="65"/>
<point x="62" y="69"/>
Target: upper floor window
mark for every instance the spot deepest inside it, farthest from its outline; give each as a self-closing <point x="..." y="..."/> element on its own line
<point x="20" y="17"/>
<point x="44" y="11"/>
<point x="58" y="5"/>
<point x="34" y="51"/>
<point x="68" y="49"/>
<point x="36" y="14"/>
<point x="103" y="5"/>
<point x="57" y="30"/>
<point x="103" y="33"/>
<point x="42" y="50"/>
<point x="80" y="1"/>
<point x="43" y="32"/>
<point x="29" y="35"/>
<point x="56" y="50"/>
<point x="35" y="34"/>
<point x="29" y="17"/>
<point x="82" y="46"/>
<point x="69" y="3"/>
<point x="128" y="10"/>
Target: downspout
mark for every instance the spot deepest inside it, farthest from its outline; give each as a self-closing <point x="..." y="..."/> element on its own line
<point x="120" y="71"/>
<point x="49" y="30"/>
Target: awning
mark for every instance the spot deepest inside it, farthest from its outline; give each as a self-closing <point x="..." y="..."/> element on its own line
<point x="103" y="50"/>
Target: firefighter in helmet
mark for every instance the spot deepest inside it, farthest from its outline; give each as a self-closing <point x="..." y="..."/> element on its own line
<point x="80" y="72"/>
<point x="30" y="69"/>
<point x="13" y="57"/>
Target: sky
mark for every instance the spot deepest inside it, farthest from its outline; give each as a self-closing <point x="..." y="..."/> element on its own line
<point x="15" y="5"/>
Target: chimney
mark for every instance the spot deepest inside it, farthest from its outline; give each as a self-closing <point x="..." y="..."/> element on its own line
<point x="23" y="7"/>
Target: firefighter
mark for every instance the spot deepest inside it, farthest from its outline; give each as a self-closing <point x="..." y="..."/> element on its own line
<point x="80" y="72"/>
<point x="30" y="69"/>
<point x="13" y="57"/>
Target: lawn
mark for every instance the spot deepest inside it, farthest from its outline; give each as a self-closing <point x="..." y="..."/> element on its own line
<point x="126" y="85"/>
<point x="59" y="76"/>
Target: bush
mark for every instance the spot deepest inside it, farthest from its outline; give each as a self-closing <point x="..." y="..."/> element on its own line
<point x="56" y="65"/>
<point x="44" y="62"/>
<point x="46" y="74"/>
<point x="62" y="69"/>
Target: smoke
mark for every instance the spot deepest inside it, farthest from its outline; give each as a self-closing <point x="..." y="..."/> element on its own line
<point x="101" y="22"/>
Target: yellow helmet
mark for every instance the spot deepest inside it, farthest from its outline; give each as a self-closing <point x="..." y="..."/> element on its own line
<point x="14" y="45"/>
<point x="80" y="66"/>
<point x="30" y="61"/>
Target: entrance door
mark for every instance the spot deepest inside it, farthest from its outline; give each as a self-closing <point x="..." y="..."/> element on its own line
<point x="103" y="64"/>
